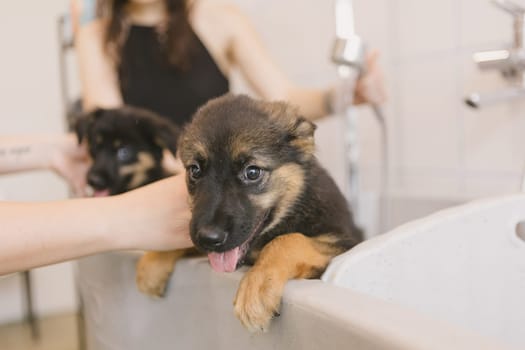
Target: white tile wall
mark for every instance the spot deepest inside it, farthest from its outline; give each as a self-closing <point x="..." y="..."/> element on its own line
<point x="494" y="140"/>
<point x="30" y="102"/>
<point x="483" y="25"/>
<point x="429" y="101"/>
<point x="424" y="27"/>
<point x="298" y="33"/>
<point x="374" y="26"/>
<point x="452" y="149"/>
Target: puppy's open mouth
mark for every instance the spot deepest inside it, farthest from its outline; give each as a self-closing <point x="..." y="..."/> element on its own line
<point x="101" y="193"/>
<point x="227" y="261"/>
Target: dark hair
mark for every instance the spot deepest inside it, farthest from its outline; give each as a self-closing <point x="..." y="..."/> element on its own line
<point x="175" y="35"/>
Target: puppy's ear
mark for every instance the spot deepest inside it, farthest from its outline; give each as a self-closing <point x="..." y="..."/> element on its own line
<point x="167" y="136"/>
<point x="302" y="135"/>
<point x="85" y="122"/>
<point x="300" y="131"/>
<point x="164" y="133"/>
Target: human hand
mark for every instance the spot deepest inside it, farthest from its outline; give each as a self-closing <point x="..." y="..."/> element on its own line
<point x="71" y="161"/>
<point x="153" y="217"/>
<point x="370" y="87"/>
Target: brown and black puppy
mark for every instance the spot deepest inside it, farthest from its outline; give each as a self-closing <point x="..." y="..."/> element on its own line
<point x="259" y="197"/>
<point x="126" y="145"/>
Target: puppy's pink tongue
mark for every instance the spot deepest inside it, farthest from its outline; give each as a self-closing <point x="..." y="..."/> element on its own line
<point x="225" y="261"/>
<point x="101" y="193"/>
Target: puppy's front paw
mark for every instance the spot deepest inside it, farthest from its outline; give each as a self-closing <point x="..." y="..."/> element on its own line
<point x="258" y="299"/>
<point x="153" y="274"/>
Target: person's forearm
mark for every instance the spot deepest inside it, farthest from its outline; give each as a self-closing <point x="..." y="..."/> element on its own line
<point x="97" y="73"/>
<point x="36" y="234"/>
<point x="28" y="152"/>
<point x="312" y="103"/>
<point x="153" y="217"/>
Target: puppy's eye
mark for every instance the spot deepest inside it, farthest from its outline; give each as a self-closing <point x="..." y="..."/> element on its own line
<point x="125" y="154"/>
<point x="253" y="173"/>
<point x="195" y="171"/>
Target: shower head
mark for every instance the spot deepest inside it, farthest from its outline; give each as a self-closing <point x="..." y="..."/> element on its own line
<point x="348" y="49"/>
<point x="344" y="19"/>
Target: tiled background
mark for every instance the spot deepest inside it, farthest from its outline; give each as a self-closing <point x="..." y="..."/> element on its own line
<point x="441" y="152"/>
<point x="438" y="146"/>
<point x="30" y="102"/>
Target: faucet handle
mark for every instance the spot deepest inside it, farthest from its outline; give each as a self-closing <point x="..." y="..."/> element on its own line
<point x="510" y="7"/>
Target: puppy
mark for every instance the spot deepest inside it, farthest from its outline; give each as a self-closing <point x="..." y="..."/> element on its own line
<point x="259" y="197"/>
<point x="126" y="145"/>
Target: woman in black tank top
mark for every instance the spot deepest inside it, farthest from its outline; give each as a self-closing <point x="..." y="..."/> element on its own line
<point x="147" y="54"/>
<point x="168" y="70"/>
<point x="147" y="79"/>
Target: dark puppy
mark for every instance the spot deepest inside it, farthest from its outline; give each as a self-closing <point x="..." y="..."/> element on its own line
<point x="126" y="145"/>
<point x="259" y="197"/>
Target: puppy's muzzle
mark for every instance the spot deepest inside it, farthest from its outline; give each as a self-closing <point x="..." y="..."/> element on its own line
<point x="97" y="181"/>
<point x="211" y="238"/>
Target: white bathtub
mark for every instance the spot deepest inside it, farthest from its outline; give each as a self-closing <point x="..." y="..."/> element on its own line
<point x="464" y="266"/>
<point x="198" y="314"/>
<point x="455" y="280"/>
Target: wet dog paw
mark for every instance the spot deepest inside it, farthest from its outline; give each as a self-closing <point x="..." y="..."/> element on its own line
<point x="152" y="276"/>
<point x="258" y="299"/>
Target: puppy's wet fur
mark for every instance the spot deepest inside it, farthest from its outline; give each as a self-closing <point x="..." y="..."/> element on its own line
<point x="259" y="197"/>
<point x="126" y="145"/>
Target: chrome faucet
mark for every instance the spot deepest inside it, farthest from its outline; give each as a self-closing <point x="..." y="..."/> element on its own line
<point x="510" y="62"/>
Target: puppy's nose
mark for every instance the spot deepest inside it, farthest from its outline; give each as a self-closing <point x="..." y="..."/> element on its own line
<point x="211" y="237"/>
<point x="97" y="181"/>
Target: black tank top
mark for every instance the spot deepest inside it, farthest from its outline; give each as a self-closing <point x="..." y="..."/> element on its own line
<point x="147" y="80"/>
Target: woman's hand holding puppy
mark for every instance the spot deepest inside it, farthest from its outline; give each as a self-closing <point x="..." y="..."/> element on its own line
<point x="154" y="217"/>
<point x="71" y="161"/>
<point x="60" y="153"/>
